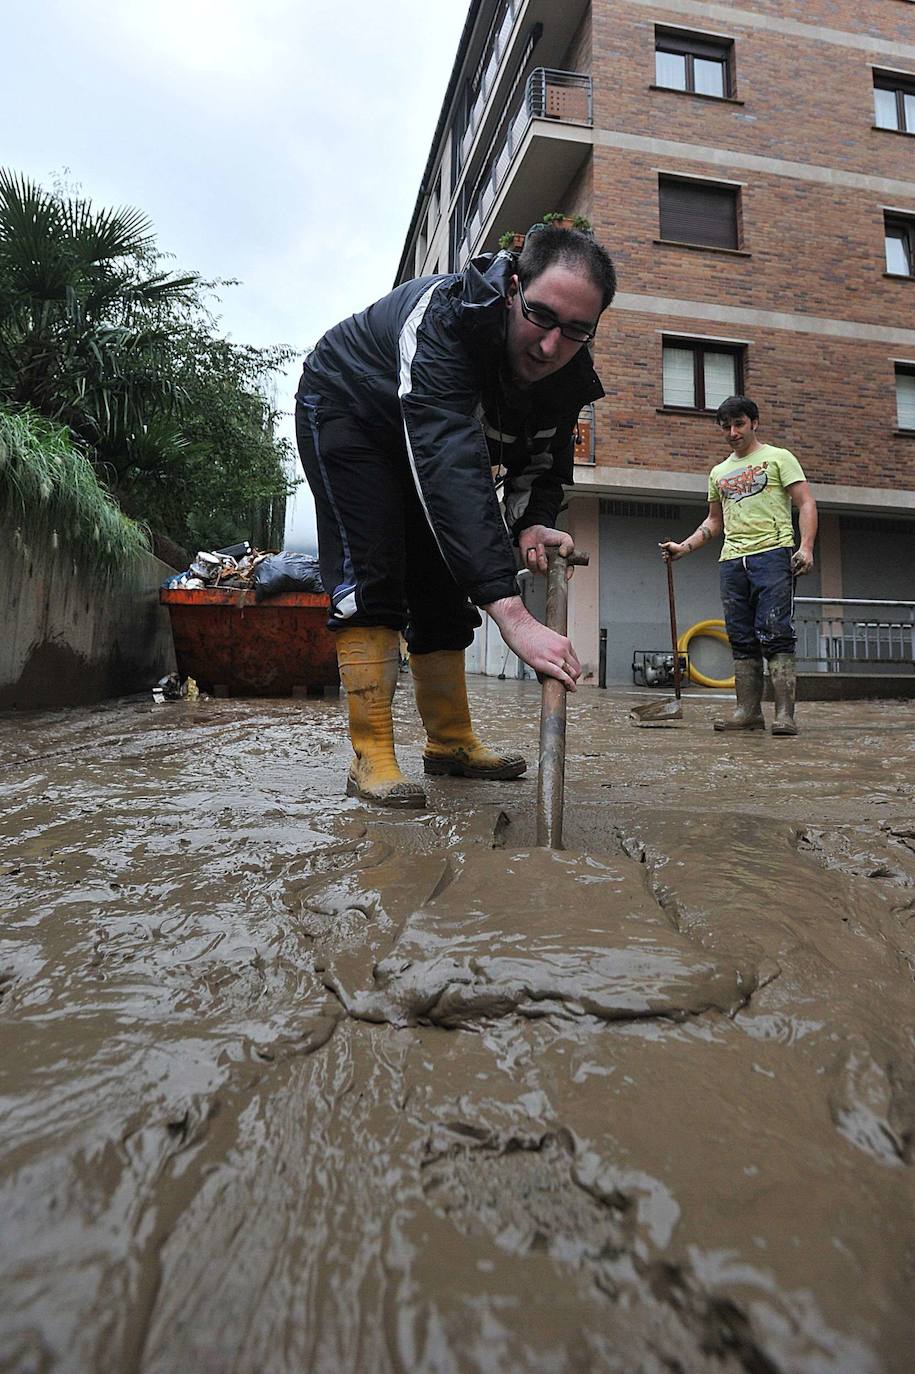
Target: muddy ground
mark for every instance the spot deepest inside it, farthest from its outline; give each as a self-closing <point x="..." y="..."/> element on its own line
<point x="291" y="1085"/>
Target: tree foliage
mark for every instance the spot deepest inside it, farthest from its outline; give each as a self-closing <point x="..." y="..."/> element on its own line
<point x="96" y="336"/>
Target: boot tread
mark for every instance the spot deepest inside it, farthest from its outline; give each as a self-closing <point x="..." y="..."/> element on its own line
<point x="459" y="765"/>
<point x="395" y="794"/>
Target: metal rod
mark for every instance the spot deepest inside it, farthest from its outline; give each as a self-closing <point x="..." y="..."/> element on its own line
<point x="847" y="601"/>
<point x="551" y="774"/>
<point x="602" y="660"/>
<point x="673" y="627"/>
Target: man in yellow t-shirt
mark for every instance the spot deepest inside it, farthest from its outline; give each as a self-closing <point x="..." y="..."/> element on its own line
<point x="750" y="496"/>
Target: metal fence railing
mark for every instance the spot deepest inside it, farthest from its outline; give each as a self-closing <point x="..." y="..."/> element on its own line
<point x="553" y="94"/>
<point x="852" y="635"/>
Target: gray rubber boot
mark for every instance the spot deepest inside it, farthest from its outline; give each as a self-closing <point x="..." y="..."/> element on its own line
<point x="784" y="688"/>
<point x="748" y="680"/>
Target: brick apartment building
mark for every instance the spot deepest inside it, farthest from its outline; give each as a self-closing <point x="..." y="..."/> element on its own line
<point x="751" y="168"/>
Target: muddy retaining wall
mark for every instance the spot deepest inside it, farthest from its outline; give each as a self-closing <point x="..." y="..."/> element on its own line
<point x="69" y="640"/>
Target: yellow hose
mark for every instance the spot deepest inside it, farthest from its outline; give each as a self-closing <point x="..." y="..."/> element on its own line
<point x="712" y="629"/>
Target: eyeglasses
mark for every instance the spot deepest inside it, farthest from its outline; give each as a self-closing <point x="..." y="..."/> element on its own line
<point x="544" y="320"/>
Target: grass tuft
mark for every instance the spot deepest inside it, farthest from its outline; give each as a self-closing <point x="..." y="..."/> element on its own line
<point x="50" y="492"/>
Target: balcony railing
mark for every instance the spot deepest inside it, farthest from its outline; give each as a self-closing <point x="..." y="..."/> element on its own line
<point x="584" y="437"/>
<point x="838" y="637"/>
<point x="498" y="42"/>
<point x="548" y="94"/>
<point x="559" y="95"/>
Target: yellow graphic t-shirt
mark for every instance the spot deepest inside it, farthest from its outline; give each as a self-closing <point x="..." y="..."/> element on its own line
<point x="754" y="500"/>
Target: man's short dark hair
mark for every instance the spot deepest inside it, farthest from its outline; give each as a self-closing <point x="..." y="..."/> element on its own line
<point x="545" y="246"/>
<point x="734" y="407"/>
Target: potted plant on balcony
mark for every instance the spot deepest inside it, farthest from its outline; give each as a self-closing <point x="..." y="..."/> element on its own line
<point x="512" y="241"/>
<point x="560" y="220"/>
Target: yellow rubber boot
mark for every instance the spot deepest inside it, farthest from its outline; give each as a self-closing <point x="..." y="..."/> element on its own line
<point x="451" y="746"/>
<point x="369" y="660"/>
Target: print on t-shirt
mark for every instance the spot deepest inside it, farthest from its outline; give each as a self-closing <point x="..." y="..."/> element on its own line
<point x="750" y="481"/>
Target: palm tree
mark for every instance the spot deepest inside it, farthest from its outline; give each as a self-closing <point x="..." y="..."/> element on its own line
<point x="83" y="314"/>
<point x="95" y="337"/>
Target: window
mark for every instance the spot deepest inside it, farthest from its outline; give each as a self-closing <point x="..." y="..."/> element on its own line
<point x="699" y="212"/>
<point x="894" y="101"/>
<point x="905" y="395"/>
<point x="900" y="245"/>
<point x="699" y="375"/>
<point x="693" y="62"/>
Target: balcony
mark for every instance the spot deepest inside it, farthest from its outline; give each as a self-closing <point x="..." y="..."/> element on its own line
<point x="498" y="43"/>
<point x="546" y="142"/>
<point x="516" y="27"/>
<point x="583" y="452"/>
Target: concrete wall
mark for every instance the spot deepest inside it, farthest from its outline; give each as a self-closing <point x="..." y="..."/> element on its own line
<point x="582" y="520"/>
<point x="878" y="561"/>
<point x="67" y="640"/>
<point x="633" y="590"/>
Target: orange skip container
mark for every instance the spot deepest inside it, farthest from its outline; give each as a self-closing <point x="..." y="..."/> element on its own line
<point x="233" y="646"/>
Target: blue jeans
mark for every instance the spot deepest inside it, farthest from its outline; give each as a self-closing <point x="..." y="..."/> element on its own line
<point x="757" y="593"/>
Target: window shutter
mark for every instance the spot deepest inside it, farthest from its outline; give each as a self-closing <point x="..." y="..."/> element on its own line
<point x="709" y="77"/>
<point x="905" y="399"/>
<point x="694" y="213"/>
<point x="884" y="109"/>
<point x="897" y="252"/>
<point x="700" y="45"/>
<point x="720" y="372"/>
<point x="670" y="70"/>
<point x="679" y="377"/>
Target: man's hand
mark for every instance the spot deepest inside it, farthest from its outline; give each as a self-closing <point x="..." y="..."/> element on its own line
<point x="711" y="526"/>
<point x="802" y="561"/>
<point x="548" y="653"/>
<point x="534" y="543"/>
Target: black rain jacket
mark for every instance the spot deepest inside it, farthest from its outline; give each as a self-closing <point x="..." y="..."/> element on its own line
<point x="426" y="364"/>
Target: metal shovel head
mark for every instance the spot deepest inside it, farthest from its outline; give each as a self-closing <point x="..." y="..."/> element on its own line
<point x="657" y="712"/>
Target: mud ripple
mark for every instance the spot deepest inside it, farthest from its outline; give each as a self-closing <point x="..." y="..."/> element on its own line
<point x="588" y="943"/>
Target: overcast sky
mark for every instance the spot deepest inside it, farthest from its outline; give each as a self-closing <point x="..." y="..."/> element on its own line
<point x="280" y="143"/>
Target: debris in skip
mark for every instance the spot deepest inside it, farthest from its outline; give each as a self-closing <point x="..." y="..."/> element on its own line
<point x="264" y="572"/>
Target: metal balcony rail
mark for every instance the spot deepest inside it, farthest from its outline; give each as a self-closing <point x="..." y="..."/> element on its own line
<point x="548" y="94"/>
<point x="583" y="437"/>
<point x="839" y="639"/>
<point x="559" y="95"/>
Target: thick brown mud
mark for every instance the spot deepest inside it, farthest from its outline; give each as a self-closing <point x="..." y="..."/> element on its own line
<point x="293" y="1085"/>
